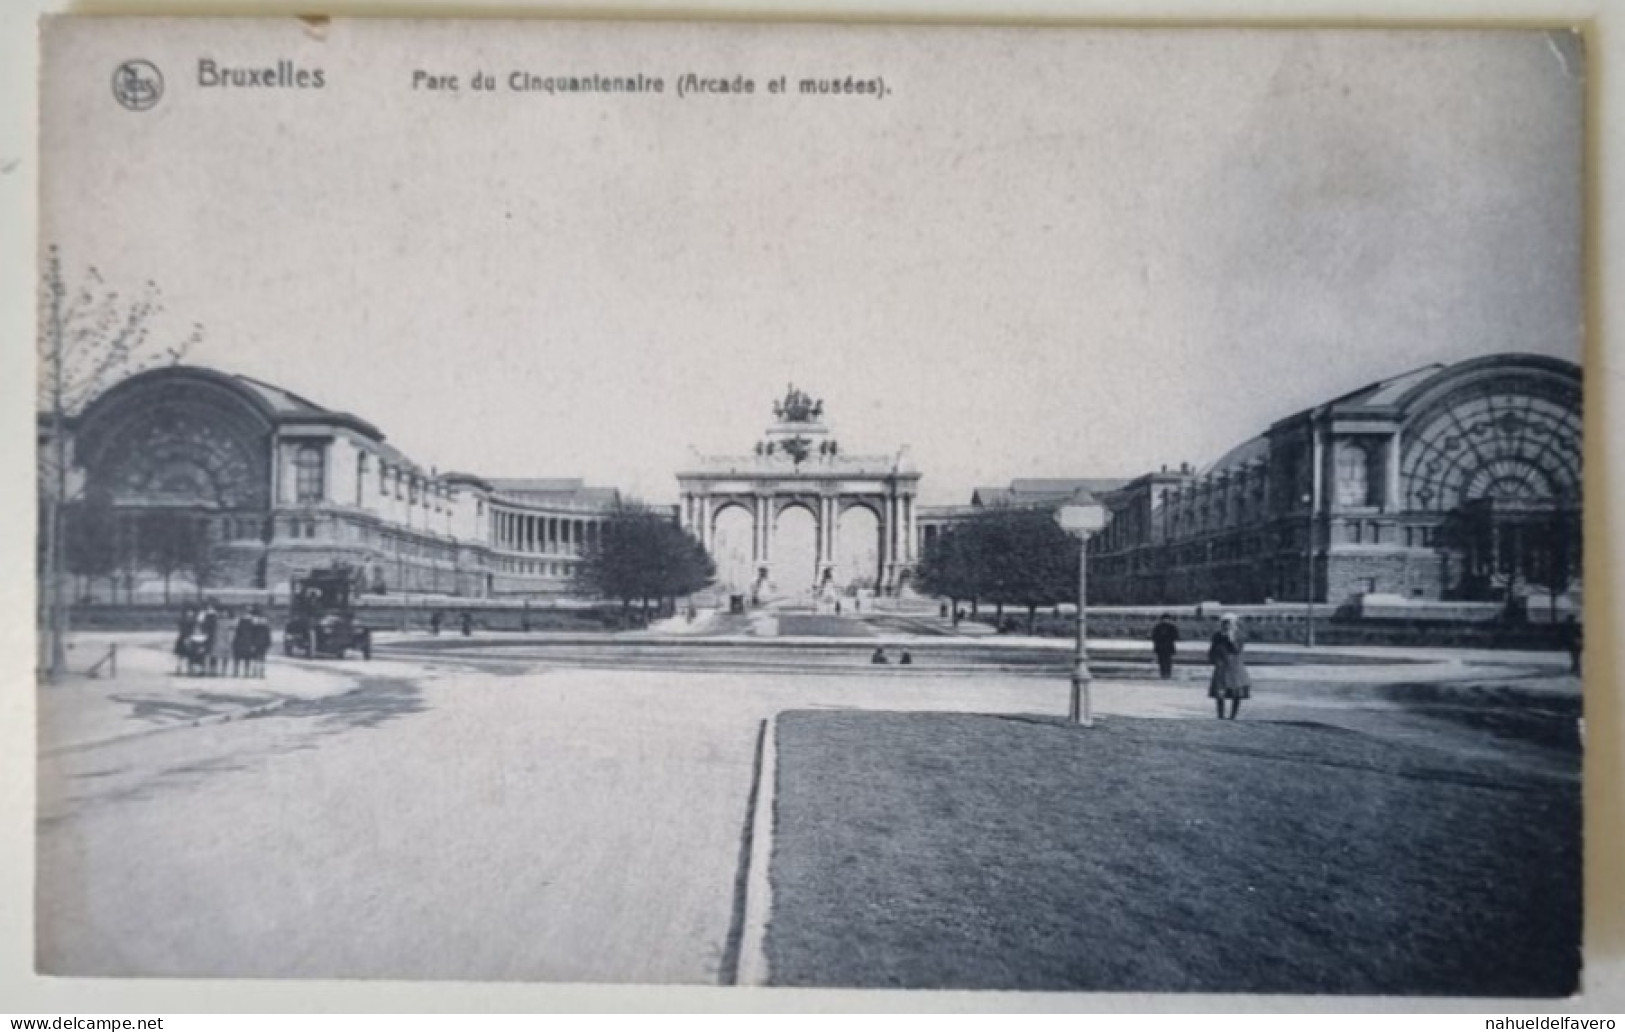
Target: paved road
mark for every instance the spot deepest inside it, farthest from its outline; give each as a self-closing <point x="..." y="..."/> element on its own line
<point x="470" y="817"/>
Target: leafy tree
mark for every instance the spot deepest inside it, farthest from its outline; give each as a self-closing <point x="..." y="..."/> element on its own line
<point x="1007" y="556"/>
<point x="641" y="555"/>
<point x="176" y="541"/>
<point x="202" y="558"/>
<point x="947" y="566"/>
<point x="1559" y="557"/>
<point x="90" y="540"/>
<point x="90" y="337"/>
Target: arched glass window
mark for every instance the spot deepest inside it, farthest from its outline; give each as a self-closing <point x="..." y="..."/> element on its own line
<point x="1353" y="474"/>
<point x="307" y="476"/>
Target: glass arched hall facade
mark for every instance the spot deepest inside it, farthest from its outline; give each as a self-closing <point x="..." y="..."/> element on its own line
<point x="281" y="485"/>
<point x="1458" y="482"/>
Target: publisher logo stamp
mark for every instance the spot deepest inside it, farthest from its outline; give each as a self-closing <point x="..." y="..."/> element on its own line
<point x="137" y="84"/>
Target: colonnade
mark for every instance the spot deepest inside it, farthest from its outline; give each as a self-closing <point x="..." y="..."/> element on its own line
<point x="539" y="534"/>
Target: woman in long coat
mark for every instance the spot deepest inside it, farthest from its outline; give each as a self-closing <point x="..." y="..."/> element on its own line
<point x="225" y="633"/>
<point x="182" y="636"/>
<point x="1230" y="678"/>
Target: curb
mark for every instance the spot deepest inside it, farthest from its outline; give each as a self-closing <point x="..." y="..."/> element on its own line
<point x="264" y="709"/>
<point x="753" y="967"/>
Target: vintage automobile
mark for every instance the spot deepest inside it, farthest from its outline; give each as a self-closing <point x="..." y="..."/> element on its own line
<point x="322" y="620"/>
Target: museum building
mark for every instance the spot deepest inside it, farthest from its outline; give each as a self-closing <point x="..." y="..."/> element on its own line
<point x="283" y="485"/>
<point x="1447" y="482"/>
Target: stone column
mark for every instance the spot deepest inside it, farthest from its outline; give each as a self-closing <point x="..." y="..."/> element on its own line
<point x="767" y="530"/>
<point x="1392" y="496"/>
<point x="820" y="551"/>
<point x="893" y="535"/>
<point x="834" y="531"/>
<point x="911" y="550"/>
<point x="755" y="534"/>
<point x="885" y="537"/>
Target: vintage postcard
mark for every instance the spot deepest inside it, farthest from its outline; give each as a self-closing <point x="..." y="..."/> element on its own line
<point x="917" y="507"/>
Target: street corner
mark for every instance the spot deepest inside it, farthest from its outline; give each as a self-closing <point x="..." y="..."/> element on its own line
<point x="142" y="692"/>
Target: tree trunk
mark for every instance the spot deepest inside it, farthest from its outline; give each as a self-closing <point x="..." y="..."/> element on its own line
<point x="56" y="554"/>
<point x="1032" y="619"/>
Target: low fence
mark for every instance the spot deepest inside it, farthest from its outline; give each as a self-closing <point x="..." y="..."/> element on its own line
<point x="1289" y="628"/>
<point x="396" y="613"/>
<point x="1264" y="624"/>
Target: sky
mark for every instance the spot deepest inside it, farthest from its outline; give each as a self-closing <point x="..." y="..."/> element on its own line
<point x="1045" y="252"/>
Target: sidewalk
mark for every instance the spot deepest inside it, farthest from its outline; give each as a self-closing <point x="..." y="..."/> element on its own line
<point x="147" y="696"/>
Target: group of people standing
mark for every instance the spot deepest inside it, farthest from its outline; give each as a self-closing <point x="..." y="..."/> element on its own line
<point x="1230" y="682"/>
<point x="214" y="641"/>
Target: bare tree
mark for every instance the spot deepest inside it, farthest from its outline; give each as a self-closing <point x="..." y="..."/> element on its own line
<point x="90" y="337"/>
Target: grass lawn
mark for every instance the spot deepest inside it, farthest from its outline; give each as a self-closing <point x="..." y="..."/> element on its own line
<point x="937" y="850"/>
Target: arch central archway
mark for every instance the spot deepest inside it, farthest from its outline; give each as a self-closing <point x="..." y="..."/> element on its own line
<point x="823" y="519"/>
<point x="857" y="554"/>
<point x="795" y="555"/>
<point x="733" y="549"/>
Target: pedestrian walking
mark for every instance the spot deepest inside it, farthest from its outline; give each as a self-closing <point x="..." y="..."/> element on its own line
<point x="879" y="657"/>
<point x="434" y="622"/>
<point x="260" y="641"/>
<point x="221" y="642"/>
<point x="1165" y="642"/>
<point x="905" y="659"/>
<point x="183" y="636"/>
<point x="468" y="624"/>
<point x="1573" y="640"/>
<point x="1230" y="678"/>
<point x="242" y="645"/>
<point x="200" y="646"/>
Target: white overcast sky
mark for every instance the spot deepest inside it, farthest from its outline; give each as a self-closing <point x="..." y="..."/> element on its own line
<point x="1049" y="252"/>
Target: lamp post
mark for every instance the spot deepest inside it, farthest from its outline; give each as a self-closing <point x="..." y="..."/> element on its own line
<point x="1082" y="516"/>
<point x="1309" y="572"/>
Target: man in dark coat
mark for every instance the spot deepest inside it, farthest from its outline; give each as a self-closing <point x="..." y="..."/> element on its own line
<point x="1165" y="642"/>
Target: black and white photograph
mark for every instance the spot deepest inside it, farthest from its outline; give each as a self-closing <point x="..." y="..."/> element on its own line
<point x="1053" y="509"/>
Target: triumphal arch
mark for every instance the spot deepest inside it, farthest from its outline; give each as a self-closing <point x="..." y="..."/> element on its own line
<point x="799" y="515"/>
